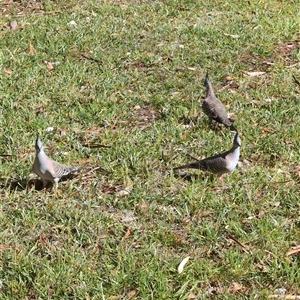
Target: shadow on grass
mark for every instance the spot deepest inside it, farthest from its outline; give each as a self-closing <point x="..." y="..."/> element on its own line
<point x="14" y="184"/>
<point x="187" y="120"/>
<point x="200" y="121"/>
<point x="194" y="177"/>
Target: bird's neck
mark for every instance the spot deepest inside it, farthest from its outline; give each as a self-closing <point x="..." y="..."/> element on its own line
<point x="209" y="89"/>
<point x="41" y="153"/>
<point x="236" y="150"/>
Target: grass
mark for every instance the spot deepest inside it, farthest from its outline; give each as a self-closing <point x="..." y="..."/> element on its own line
<point x="120" y="232"/>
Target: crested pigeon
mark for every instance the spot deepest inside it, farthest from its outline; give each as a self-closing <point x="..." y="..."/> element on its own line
<point x="213" y="107"/>
<point x="48" y="169"/>
<point x="220" y="163"/>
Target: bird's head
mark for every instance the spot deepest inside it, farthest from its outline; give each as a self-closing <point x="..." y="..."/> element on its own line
<point x="237" y="140"/>
<point x="38" y="145"/>
<point x="207" y="80"/>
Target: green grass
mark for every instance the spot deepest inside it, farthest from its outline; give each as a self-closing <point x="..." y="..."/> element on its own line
<point x="141" y="99"/>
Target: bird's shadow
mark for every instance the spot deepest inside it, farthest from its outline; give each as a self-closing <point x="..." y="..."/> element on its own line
<point x="21" y="184"/>
<point x="190" y="177"/>
<point x="15" y="184"/>
<point x="187" y="120"/>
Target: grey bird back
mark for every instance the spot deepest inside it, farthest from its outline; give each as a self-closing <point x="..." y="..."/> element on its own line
<point x="63" y="170"/>
<point x="215" y="164"/>
<point x="213" y="107"/>
<point x="220" y="163"/>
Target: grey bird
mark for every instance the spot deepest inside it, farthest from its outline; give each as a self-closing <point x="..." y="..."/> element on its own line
<point x="213" y="107"/>
<point x="48" y="169"/>
<point x="220" y="163"/>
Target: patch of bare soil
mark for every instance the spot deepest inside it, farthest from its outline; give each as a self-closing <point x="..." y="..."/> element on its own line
<point x="15" y="8"/>
<point x="288" y="49"/>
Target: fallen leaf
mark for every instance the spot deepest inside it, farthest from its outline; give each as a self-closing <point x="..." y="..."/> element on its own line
<point x="235" y="287"/>
<point x="72" y="23"/>
<point x="4" y="247"/>
<point x="234" y="36"/>
<point x="285" y="297"/>
<point x="245" y="247"/>
<point x="255" y="102"/>
<point x="127" y="234"/>
<point x="266" y="130"/>
<point x="31" y="50"/>
<point x="293" y="251"/>
<point x="96" y="146"/>
<point x="63" y="132"/>
<point x="182" y="264"/>
<point x="131" y="294"/>
<point x="192" y="296"/>
<point x="260" y="214"/>
<point x="50" y="66"/>
<point x="204" y="213"/>
<point x="253" y="74"/>
<point x="123" y="193"/>
<point x="13" y="25"/>
<point x="23" y="155"/>
<point x="8" y="71"/>
<point x="228" y="78"/>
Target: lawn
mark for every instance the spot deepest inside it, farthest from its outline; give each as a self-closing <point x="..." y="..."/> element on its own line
<point x="116" y="86"/>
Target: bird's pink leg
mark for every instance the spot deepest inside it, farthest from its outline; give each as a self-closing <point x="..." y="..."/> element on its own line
<point x="221" y="179"/>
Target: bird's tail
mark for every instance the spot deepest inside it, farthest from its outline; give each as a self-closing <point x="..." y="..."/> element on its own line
<point x="75" y="169"/>
<point x="68" y="171"/>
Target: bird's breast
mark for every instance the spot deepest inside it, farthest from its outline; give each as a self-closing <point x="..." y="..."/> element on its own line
<point x="232" y="159"/>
